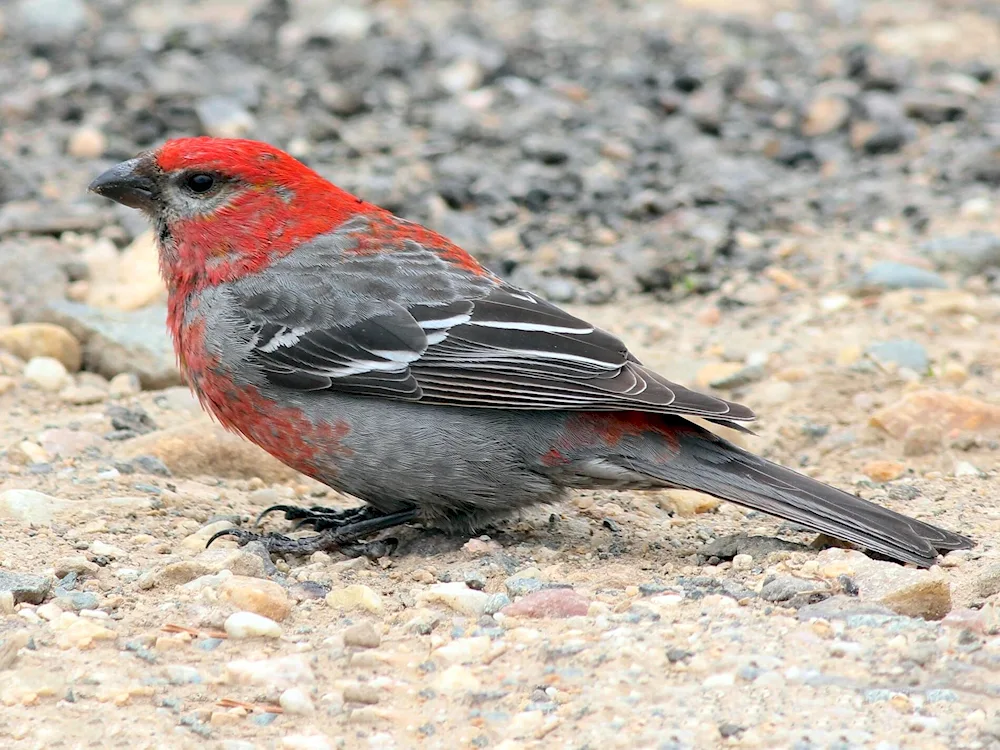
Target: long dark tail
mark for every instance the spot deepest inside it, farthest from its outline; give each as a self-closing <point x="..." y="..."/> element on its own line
<point x="707" y="463"/>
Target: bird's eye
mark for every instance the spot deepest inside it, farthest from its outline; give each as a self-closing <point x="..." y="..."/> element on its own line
<point x="199" y="182"/>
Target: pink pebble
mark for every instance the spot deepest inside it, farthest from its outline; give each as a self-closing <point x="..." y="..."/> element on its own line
<point x="549" y="603"/>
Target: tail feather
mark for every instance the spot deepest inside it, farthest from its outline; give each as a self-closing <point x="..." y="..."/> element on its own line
<point x="707" y="463"/>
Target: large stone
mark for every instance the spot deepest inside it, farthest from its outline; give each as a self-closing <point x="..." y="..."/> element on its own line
<point x="29" y="340"/>
<point x="117" y="341"/>
<point x="906" y="591"/>
<point x="202" y="448"/>
<point x="946" y="411"/>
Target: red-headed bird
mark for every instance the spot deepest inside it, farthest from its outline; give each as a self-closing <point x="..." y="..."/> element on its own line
<point x="376" y="356"/>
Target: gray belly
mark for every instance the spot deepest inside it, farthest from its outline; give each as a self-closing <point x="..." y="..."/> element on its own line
<point x="458" y="466"/>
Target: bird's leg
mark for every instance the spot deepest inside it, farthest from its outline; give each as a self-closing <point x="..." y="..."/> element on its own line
<point x="329" y="540"/>
<point x="320" y="518"/>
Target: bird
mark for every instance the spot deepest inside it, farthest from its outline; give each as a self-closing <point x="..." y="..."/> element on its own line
<point x="378" y="357"/>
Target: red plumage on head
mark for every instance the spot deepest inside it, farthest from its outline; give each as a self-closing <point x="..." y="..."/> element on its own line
<point x="253" y="161"/>
<point x="288" y="205"/>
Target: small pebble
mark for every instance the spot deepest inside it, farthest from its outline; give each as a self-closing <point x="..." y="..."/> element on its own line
<point x="361" y="693"/>
<point x="362" y="635"/>
<point x="742" y="562"/>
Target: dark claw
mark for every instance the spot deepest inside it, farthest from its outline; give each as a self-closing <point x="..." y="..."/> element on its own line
<point x="330" y="539"/>
<point x="292" y="513"/>
<point x="321" y="518"/>
<point x="241" y="536"/>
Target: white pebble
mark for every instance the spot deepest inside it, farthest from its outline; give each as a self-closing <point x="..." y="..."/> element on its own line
<point x="105" y="550"/>
<point x="250" y="625"/>
<point x="296" y="701"/>
<point x="355" y="596"/>
<point x="742" y="562"/>
<point x="834" y="302"/>
<point x="46" y="373"/>
<point x="977" y="208"/>
<point x="456" y="596"/>
<point x="965" y="469"/>
<point x="720" y="680"/>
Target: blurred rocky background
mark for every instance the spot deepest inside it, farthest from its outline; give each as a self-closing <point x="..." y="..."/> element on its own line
<point x="793" y="203"/>
<point x="584" y="149"/>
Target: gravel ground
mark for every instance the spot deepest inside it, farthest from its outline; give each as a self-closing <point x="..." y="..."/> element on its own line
<point x="795" y="206"/>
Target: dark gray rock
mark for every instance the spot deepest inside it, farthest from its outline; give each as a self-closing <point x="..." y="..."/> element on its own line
<point x="26" y="587"/>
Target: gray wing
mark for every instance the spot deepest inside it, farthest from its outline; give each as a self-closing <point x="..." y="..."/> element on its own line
<point x="473" y="342"/>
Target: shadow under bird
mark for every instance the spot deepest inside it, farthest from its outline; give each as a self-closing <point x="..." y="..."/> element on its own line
<point x="383" y="360"/>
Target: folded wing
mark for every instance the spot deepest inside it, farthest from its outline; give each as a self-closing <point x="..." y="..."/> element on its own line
<point x="499" y="348"/>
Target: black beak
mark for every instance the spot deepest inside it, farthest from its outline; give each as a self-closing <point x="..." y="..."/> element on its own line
<point x="125" y="183"/>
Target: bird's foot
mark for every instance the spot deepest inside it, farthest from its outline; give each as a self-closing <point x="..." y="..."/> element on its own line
<point x="341" y="539"/>
<point x="320" y="518"/>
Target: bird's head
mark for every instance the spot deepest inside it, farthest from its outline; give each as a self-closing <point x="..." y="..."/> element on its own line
<point x="222" y="208"/>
